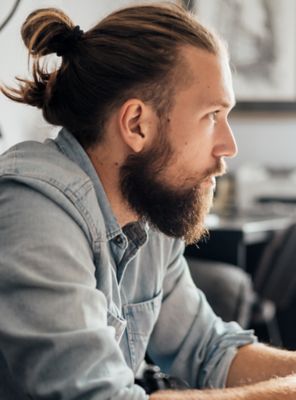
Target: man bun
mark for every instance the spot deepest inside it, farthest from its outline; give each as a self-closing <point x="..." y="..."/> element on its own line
<point x="45" y="30"/>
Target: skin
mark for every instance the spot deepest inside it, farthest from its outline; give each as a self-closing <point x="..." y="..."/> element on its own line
<point x="200" y="136"/>
<point x="199" y="131"/>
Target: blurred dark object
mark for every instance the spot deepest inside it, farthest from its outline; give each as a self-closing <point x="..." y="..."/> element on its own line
<point x="225" y="196"/>
<point x="153" y="380"/>
<point x="275" y="285"/>
<point x="270" y="199"/>
<point x="280" y="172"/>
<point x="10" y="15"/>
<point x="287" y="322"/>
<point x="275" y="277"/>
<point x="228" y="289"/>
<point x="188" y="4"/>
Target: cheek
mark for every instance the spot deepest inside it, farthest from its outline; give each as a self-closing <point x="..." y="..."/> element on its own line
<point x="191" y="141"/>
<point x="191" y="135"/>
<point x="194" y="155"/>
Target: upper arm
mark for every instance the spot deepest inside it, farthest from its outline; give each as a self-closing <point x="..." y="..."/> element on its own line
<point x="53" y="331"/>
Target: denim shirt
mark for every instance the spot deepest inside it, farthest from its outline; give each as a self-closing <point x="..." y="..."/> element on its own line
<point x="82" y="300"/>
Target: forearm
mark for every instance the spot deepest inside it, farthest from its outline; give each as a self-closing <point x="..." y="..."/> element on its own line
<point x="258" y="362"/>
<point x="278" y="388"/>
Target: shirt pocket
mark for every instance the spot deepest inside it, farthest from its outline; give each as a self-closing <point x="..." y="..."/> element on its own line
<point x="119" y="325"/>
<point x="141" y="318"/>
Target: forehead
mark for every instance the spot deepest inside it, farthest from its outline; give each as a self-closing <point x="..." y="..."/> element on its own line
<point x="209" y="77"/>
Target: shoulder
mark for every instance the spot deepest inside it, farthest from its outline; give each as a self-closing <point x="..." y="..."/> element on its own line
<point x="43" y="162"/>
<point x="42" y="168"/>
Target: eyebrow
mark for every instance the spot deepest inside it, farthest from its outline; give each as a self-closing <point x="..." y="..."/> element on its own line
<point x="224" y="104"/>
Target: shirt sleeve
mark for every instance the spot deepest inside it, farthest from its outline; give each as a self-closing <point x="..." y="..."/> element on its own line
<point x="53" y="332"/>
<point x="189" y="340"/>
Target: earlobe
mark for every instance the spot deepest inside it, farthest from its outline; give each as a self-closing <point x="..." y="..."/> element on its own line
<point x="132" y="124"/>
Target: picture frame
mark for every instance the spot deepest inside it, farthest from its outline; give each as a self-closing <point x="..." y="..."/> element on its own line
<point x="261" y="39"/>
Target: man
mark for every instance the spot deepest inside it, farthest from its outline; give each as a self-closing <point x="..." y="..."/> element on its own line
<point x="93" y="223"/>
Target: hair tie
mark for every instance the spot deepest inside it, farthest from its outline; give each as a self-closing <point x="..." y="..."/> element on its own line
<point x="77" y="32"/>
<point x="68" y="42"/>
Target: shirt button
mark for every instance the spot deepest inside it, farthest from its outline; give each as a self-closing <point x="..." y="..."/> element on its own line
<point x="119" y="239"/>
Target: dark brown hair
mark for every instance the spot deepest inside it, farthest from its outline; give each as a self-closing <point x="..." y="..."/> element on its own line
<point x="132" y="52"/>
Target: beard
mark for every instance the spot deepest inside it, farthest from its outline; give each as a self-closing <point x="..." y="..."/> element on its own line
<point x="177" y="212"/>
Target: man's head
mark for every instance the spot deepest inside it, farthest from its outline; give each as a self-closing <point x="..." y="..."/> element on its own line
<point x="169" y="177"/>
<point x="165" y="79"/>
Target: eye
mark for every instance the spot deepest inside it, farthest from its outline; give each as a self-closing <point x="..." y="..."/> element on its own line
<point x="213" y="116"/>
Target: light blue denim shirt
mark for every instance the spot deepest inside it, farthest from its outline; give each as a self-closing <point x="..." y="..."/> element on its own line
<point x="82" y="300"/>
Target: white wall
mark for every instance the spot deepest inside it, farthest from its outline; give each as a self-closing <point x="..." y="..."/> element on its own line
<point x="268" y="139"/>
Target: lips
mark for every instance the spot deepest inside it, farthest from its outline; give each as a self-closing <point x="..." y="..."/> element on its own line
<point x="210" y="181"/>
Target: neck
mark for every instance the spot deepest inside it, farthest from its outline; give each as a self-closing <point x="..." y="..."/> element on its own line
<point x="108" y="170"/>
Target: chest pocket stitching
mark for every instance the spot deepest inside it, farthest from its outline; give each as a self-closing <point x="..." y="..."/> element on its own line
<point x="119" y="324"/>
<point x="141" y="318"/>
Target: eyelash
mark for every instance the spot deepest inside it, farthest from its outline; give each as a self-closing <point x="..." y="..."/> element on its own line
<point x="213" y="116"/>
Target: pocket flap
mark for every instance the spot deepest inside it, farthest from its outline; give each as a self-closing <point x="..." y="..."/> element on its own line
<point x="119" y="324"/>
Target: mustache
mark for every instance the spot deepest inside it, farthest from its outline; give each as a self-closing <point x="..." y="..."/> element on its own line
<point x="218" y="169"/>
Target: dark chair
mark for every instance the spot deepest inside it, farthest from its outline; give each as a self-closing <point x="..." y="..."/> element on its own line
<point x="228" y="289"/>
<point x="275" y="278"/>
<point x="275" y="281"/>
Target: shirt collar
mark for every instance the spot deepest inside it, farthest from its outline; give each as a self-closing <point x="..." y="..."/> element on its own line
<point x="74" y="151"/>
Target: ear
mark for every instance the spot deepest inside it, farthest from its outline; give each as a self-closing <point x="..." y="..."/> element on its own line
<point x="137" y="124"/>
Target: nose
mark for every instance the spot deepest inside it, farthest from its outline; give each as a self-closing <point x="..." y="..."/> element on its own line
<point x="225" y="145"/>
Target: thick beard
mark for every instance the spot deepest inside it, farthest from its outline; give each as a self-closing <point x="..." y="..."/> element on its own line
<point x="178" y="213"/>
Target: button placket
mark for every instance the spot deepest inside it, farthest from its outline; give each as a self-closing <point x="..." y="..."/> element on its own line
<point x="120" y="241"/>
